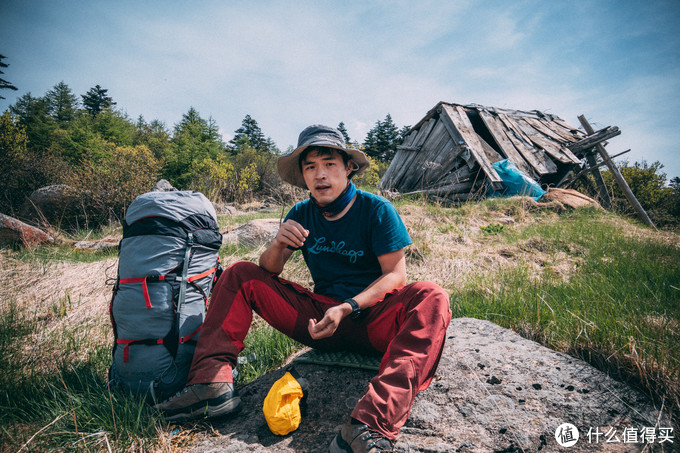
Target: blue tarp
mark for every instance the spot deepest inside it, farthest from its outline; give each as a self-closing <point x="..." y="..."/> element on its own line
<point x="515" y="182"/>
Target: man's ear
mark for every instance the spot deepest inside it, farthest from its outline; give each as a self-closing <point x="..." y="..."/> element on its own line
<point x="351" y="167"/>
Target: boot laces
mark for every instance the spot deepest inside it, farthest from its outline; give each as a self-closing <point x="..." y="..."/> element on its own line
<point x="374" y="437"/>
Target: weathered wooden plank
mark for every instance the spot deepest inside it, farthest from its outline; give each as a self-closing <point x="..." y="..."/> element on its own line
<point x="415" y="167"/>
<point x="402" y="166"/>
<point x="398" y="159"/>
<point x="460" y="197"/>
<point x="491" y="154"/>
<point x="408" y="140"/>
<point x="462" y="174"/>
<point x="496" y="129"/>
<point x="400" y="163"/>
<point x="553" y="148"/>
<point x="457" y="138"/>
<point x="594" y="168"/>
<point x="429" y="160"/>
<point x="618" y="177"/>
<point x="568" y="127"/>
<point x="595" y="139"/>
<point x="554" y="130"/>
<point x="466" y="152"/>
<point x="541" y="127"/>
<point x="408" y="148"/>
<point x="453" y="189"/>
<point x="441" y="165"/>
<point x="535" y="156"/>
<point x="556" y="150"/>
<point x="434" y="166"/>
<point x="460" y="119"/>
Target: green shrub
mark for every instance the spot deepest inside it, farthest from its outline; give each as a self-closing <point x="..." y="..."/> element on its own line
<point x="648" y="184"/>
<point x="106" y="186"/>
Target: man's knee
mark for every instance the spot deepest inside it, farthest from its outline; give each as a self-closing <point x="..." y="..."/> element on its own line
<point x="432" y="297"/>
<point x="244" y="268"/>
<point x="240" y="272"/>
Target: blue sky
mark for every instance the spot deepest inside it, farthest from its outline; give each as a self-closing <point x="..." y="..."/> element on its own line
<point x="290" y="64"/>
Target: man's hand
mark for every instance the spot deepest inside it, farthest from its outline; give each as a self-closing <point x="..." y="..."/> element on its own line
<point x="329" y="323"/>
<point x="291" y="233"/>
<point x="275" y="256"/>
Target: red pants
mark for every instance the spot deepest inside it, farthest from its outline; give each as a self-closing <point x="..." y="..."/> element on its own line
<point x="408" y="326"/>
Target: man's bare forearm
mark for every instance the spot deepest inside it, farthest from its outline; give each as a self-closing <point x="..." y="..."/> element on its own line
<point x="274" y="258"/>
<point x="382" y="285"/>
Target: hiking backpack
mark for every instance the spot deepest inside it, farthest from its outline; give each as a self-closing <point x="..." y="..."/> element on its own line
<point x="168" y="262"/>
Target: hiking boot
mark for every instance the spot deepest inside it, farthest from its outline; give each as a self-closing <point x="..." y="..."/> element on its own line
<point x="198" y="400"/>
<point x="359" y="439"/>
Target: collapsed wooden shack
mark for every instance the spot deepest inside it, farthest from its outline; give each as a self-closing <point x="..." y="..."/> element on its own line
<point x="449" y="154"/>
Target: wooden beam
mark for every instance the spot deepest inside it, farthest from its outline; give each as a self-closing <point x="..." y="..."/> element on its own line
<point x="556" y="150"/>
<point x="457" y="137"/>
<point x="457" y="188"/>
<point x="618" y="177"/>
<point x="594" y="138"/>
<point x="418" y="167"/>
<point x="462" y="173"/>
<point x="545" y="130"/>
<point x="408" y="148"/>
<point x="400" y="165"/>
<point x="547" y="142"/>
<point x="588" y="169"/>
<point x="460" y="119"/>
<point x="536" y="157"/>
<point x="495" y="127"/>
<point x="600" y="186"/>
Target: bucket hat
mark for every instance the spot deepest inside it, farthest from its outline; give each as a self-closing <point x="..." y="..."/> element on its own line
<point x="317" y="135"/>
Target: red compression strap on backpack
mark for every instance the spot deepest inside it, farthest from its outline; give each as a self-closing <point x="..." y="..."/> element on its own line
<point x="127" y="343"/>
<point x="145" y="288"/>
<point x="204" y="274"/>
<point x="188" y="337"/>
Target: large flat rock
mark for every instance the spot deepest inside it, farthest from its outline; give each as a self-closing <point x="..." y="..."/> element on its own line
<point x="494" y="392"/>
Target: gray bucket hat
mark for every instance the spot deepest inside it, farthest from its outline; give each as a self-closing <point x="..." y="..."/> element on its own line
<point x="317" y="135"/>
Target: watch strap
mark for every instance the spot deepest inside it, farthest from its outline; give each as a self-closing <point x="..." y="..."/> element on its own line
<point x="356" y="311"/>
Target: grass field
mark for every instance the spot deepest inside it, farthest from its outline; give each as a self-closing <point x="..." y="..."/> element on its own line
<point x="584" y="282"/>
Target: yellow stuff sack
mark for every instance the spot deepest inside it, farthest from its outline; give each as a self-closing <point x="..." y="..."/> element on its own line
<point x="282" y="405"/>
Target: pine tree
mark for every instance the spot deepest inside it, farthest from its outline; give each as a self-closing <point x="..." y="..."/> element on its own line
<point x="194" y="140"/>
<point x="382" y="140"/>
<point x="343" y="131"/>
<point x="62" y="104"/>
<point x="251" y="131"/>
<point x="4" y="84"/>
<point x="96" y="100"/>
<point x="33" y="113"/>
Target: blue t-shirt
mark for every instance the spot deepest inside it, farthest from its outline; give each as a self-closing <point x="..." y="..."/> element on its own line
<point x="342" y="255"/>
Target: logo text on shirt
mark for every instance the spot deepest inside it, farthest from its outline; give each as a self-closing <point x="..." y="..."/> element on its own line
<point x="338" y="248"/>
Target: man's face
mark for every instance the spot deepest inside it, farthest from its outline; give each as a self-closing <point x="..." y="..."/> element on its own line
<point x="326" y="176"/>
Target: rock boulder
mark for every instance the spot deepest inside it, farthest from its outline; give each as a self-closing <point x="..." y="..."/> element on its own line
<point x="13" y="231"/>
<point x="56" y="205"/>
<point x="163" y="185"/>
<point x="494" y="392"/>
<point x="255" y="232"/>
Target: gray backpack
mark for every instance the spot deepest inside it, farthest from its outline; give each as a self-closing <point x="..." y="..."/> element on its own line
<point x="167" y="265"/>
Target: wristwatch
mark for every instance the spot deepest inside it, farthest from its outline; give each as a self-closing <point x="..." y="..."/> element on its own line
<point x="356" y="311"/>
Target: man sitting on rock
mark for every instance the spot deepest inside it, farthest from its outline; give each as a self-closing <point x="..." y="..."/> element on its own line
<point x="353" y="244"/>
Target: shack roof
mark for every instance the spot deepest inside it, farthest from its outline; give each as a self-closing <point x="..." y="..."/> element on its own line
<point x="451" y="149"/>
